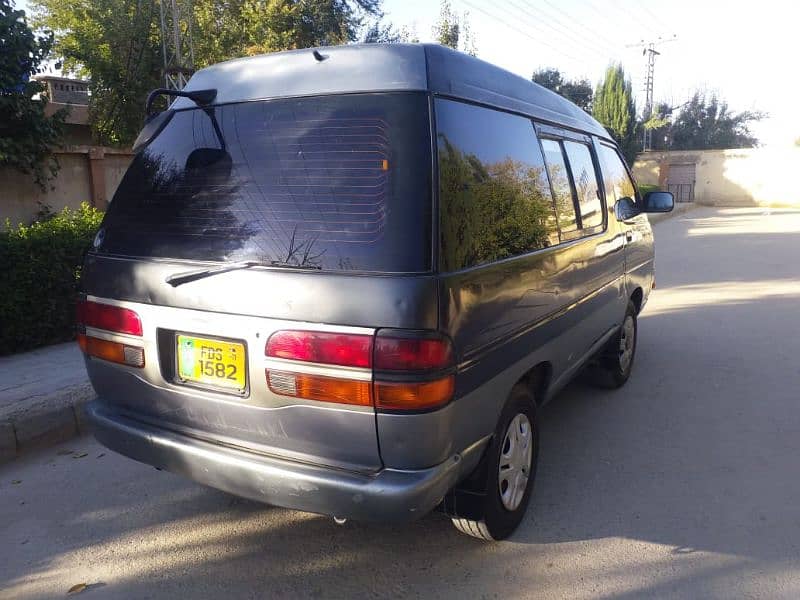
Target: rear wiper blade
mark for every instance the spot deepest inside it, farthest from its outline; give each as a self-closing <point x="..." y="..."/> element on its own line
<point x="288" y="265"/>
<point x="188" y="276"/>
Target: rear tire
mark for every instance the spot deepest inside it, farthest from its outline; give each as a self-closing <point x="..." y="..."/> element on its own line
<point x="505" y="477"/>
<point x="615" y="363"/>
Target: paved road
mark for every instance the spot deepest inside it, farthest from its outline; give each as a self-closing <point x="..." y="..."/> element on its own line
<point x="684" y="484"/>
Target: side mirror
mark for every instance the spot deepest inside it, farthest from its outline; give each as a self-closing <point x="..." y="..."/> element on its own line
<point x="626" y="209"/>
<point x="658" y="202"/>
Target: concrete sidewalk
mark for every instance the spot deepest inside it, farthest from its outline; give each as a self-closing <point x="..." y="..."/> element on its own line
<point x="42" y="394"/>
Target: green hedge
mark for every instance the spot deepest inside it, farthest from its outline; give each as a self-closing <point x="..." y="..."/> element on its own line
<point x="39" y="269"/>
<point x="645" y="188"/>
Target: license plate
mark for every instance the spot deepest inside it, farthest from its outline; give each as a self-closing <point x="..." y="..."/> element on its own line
<point x="211" y="362"/>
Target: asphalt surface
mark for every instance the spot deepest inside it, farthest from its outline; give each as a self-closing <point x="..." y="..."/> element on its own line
<point x="686" y="483"/>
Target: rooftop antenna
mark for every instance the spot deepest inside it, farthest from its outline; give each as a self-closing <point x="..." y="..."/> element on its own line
<point x="176" y="42"/>
<point x="649" y="50"/>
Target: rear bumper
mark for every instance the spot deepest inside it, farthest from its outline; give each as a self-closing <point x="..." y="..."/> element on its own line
<point x="390" y="495"/>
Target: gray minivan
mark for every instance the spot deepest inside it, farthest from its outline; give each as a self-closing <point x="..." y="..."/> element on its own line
<point x="344" y="280"/>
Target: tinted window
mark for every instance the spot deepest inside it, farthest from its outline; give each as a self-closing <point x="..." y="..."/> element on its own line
<point x="494" y="197"/>
<point x="585" y="178"/>
<point x="559" y="179"/>
<point x="615" y="177"/>
<point x="338" y="182"/>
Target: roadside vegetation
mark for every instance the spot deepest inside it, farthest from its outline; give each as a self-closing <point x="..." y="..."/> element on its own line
<point x="41" y="265"/>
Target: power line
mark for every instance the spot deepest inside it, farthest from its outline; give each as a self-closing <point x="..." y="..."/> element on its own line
<point x="520" y="31"/>
<point x="555" y="26"/>
<point x="633" y="18"/>
<point x="649" y="12"/>
<point x="603" y="13"/>
<point x="573" y="22"/>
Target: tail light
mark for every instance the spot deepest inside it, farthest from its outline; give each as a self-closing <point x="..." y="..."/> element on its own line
<point x="114" y="319"/>
<point x="397" y="371"/>
<point x="108" y="317"/>
<point x="316" y="387"/>
<point x="326" y="348"/>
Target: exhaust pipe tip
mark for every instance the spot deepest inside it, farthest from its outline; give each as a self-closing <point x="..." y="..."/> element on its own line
<point x="339" y="520"/>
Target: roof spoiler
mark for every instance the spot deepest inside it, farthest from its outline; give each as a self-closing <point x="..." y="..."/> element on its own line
<point x="200" y="97"/>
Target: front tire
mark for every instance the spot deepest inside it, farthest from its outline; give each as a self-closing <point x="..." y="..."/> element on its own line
<point x="614" y="366"/>
<point x="507" y="473"/>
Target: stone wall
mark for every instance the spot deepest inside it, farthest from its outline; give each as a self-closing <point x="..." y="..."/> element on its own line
<point x="746" y="177"/>
<point x="88" y="174"/>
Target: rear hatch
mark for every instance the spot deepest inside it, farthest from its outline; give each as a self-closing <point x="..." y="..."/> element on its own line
<point x="241" y="220"/>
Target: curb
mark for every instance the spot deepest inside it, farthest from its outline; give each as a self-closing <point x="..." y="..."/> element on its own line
<point x="680" y="208"/>
<point x="52" y="419"/>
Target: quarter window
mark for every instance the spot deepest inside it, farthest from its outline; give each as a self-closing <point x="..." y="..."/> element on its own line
<point x="495" y="201"/>
<point x="617" y="182"/>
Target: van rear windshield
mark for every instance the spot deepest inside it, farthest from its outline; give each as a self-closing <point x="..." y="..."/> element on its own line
<point x="332" y="182"/>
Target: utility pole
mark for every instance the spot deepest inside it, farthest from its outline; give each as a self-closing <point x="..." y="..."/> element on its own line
<point x="649" y="50"/>
<point x="176" y="42"/>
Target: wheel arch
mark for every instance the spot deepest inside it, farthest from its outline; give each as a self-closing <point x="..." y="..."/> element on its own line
<point x="637" y="297"/>
<point x="537" y="379"/>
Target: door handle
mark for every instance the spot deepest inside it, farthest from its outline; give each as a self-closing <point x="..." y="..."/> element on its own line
<point x="629" y="236"/>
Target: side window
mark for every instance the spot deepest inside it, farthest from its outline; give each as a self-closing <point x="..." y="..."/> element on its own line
<point x="494" y="197"/>
<point x="617" y="182"/>
<point x="585" y="178"/>
<point x="559" y="179"/>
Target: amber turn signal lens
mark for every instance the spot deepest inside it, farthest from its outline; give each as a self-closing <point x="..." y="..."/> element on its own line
<point x="315" y="387"/>
<point x="413" y="396"/>
<point x="111" y="351"/>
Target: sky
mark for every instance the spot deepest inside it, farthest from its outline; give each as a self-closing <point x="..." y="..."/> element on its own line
<point x="746" y="52"/>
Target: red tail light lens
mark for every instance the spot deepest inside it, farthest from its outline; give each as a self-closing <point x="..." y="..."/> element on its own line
<point x="320" y="347"/>
<point x="412" y="354"/>
<point x="108" y="317"/>
<point x="410" y="373"/>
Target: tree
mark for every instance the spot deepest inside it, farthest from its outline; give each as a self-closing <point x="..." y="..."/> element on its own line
<point x="275" y="25"/>
<point x="577" y="91"/>
<point x="615" y="108"/>
<point x="378" y="33"/>
<point x="26" y="134"/>
<point x="117" y="43"/>
<point x="449" y="28"/>
<point x="659" y="124"/>
<point x="707" y="123"/>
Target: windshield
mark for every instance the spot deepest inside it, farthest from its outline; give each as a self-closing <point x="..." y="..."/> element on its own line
<point x="335" y="182"/>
